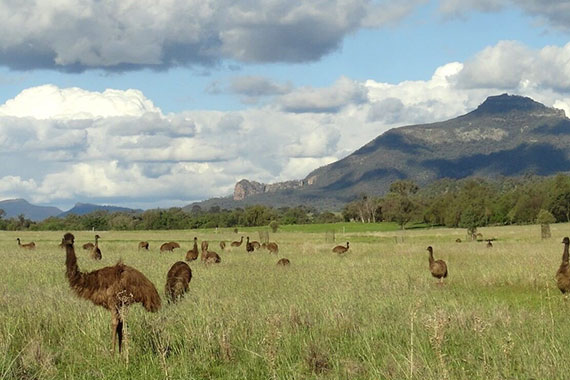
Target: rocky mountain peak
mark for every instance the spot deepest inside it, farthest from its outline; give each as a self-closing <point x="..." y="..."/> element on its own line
<point x="506" y="103"/>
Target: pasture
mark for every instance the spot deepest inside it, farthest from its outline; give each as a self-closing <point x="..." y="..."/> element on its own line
<point x="373" y="313"/>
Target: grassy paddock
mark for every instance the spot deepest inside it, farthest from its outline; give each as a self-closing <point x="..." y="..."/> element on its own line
<point x="375" y="313"/>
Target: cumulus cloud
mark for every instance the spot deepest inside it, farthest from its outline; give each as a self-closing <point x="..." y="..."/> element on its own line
<point x="512" y="65"/>
<point x="75" y="35"/>
<point x="119" y="148"/>
<point x="51" y="102"/>
<point x="324" y="100"/>
<point x="550" y="13"/>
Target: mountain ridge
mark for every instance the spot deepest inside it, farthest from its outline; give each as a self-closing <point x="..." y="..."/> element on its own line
<point x="506" y="135"/>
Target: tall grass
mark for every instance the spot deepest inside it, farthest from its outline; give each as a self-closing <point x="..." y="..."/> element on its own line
<point x="375" y="313"/>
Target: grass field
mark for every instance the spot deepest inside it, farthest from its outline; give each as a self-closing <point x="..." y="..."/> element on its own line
<point x="375" y="313"/>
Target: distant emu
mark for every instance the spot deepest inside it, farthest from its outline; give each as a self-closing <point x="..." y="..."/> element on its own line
<point x="95" y="251"/>
<point x="438" y="268"/>
<point x="340" y="249"/>
<point x="271" y="246"/>
<point x="170" y="246"/>
<point x="237" y="243"/>
<point x="283" y="262"/>
<point x="192" y="254"/>
<point x="222" y="245"/>
<point x="249" y="246"/>
<point x="563" y="273"/>
<point x="114" y="287"/>
<point x="143" y="245"/>
<point x="210" y="257"/>
<point x="177" y="281"/>
<point x="30" y="245"/>
<point x="489" y="244"/>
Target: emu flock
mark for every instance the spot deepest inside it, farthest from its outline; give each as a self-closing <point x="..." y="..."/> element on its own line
<point x="117" y="287"/>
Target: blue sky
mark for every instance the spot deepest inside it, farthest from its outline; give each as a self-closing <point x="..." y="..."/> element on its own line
<point x="156" y="104"/>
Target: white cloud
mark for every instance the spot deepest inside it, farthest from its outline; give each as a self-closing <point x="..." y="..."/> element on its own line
<point x="512" y="65"/>
<point x="141" y="157"/>
<point x="51" y="102"/>
<point x="75" y="35"/>
<point x="548" y="12"/>
<point x="332" y="99"/>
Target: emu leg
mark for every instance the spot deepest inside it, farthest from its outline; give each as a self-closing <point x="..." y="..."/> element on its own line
<point x="117" y="329"/>
<point x="114" y="325"/>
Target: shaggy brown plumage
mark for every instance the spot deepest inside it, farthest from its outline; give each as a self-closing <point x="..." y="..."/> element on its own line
<point x="177" y="281"/>
<point x="340" y="248"/>
<point x="95" y="251"/>
<point x="114" y="288"/>
<point x="237" y="243"/>
<point x="248" y="246"/>
<point x="563" y="273"/>
<point x="438" y="268"/>
<point x="210" y="257"/>
<point x="272" y="247"/>
<point x="222" y="245"/>
<point x="30" y="245"/>
<point x="192" y="254"/>
<point x="255" y="244"/>
<point x="170" y="246"/>
<point x="88" y="246"/>
<point x="283" y="262"/>
<point x="144" y="245"/>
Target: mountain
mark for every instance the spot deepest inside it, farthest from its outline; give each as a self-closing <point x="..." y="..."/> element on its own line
<point x="15" y="207"/>
<point x="507" y="135"/>
<point x="86" y="208"/>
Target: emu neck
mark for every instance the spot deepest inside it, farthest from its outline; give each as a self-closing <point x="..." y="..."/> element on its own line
<point x="565" y="254"/>
<point x="73" y="274"/>
<point x="431" y="260"/>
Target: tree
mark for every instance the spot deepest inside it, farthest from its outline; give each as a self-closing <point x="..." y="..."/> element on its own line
<point x="399" y="205"/>
<point x="274" y="225"/>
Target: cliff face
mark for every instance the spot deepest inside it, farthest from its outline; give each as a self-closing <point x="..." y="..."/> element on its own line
<point x="245" y="188"/>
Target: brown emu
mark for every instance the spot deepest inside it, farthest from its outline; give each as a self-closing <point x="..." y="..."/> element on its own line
<point x="340" y="248"/>
<point x="458" y="240"/>
<point x="255" y="244"/>
<point x="95" y="251"/>
<point x="30" y="245"/>
<point x="210" y="257"/>
<point x="237" y="243"/>
<point x="115" y="288"/>
<point x="563" y="274"/>
<point x="192" y="254"/>
<point x="222" y="245"/>
<point x="489" y="244"/>
<point x="177" y="281"/>
<point x="438" y="268"/>
<point x="272" y="247"/>
<point x="248" y="246"/>
<point x="170" y="246"/>
<point x="143" y="245"/>
<point x="88" y="246"/>
<point x="283" y="262"/>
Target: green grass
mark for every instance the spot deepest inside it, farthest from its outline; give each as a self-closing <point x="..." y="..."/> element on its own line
<point x="375" y="313"/>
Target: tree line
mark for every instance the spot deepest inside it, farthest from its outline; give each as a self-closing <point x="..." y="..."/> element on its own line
<point x="174" y="218"/>
<point x="469" y="203"/>
<point x="466" y="203"/>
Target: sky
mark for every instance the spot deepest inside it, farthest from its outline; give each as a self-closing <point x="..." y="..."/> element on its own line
<point x="150" y="103"/>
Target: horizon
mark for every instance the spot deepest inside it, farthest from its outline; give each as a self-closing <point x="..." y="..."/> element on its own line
<point x="118" y="110"/>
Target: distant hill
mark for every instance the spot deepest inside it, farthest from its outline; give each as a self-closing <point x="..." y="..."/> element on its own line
<point x="86" y="208"/>
<point x="16" y="207"/>
<point x="505" y="136"/>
